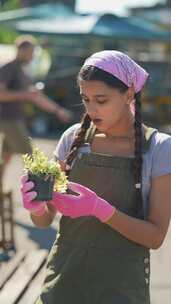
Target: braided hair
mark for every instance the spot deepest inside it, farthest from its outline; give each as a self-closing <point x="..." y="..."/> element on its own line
<point x="138" y="150"/>
<point x="89" y="73"/>
<point x="79" y="138"/>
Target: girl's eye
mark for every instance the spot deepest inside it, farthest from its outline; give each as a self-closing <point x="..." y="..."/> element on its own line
<point x="101" y="101"/>
<point x="86" y="101"/>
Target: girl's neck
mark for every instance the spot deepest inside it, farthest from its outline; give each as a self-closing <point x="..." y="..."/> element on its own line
<point x="124" y="130"/>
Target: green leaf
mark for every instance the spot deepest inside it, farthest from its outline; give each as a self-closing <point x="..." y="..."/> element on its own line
<point x="37" y="163"/>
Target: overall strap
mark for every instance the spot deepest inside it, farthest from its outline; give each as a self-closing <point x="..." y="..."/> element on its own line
<point x="146" y="140"/>
<point x="148" y="137"/>
<point x="90" y="134"/>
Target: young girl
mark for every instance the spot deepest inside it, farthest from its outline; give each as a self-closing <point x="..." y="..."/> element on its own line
<point x="119" y="203"/>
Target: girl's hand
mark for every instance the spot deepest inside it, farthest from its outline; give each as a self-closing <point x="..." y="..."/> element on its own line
<point x="86" y="203"/>
<point x="36" y="208"/>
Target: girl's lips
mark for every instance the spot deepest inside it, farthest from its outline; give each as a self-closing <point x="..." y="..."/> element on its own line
<point x="97" y="120"/>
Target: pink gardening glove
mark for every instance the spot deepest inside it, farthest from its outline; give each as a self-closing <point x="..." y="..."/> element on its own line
<point x="36" y="207"/>
<point x="87" y="203"/>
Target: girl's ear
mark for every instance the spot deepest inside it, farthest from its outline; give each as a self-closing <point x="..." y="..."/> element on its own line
<point x="130" y="95"/>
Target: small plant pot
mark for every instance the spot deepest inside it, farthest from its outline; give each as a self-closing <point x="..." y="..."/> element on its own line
<point x="44" y="185"/>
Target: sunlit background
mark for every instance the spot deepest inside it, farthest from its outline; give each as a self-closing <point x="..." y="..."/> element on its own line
<point x="67" y="32"/>
<point x="116" y="7"/>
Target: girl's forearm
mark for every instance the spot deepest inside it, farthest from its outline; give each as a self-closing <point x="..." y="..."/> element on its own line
<point x="142" y="232"/>
<point x="46" y="219"/>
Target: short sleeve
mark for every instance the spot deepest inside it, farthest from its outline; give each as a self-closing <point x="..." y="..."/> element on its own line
<point x="6" y="73"/>
<point x="162" y="157"/>
<point x="65" y="142"/>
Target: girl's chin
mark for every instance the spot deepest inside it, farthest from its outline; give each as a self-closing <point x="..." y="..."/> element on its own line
<point x="101" y="128"/>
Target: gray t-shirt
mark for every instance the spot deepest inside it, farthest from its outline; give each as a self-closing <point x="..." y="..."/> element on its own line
<point x="156" y="161"/>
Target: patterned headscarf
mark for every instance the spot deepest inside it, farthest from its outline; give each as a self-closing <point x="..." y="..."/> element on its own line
<point x="121" y="66"/>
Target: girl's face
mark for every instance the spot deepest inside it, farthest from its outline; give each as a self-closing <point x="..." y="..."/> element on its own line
<point x="108" y="108"/>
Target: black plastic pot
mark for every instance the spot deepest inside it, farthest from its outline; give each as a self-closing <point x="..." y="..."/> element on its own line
<point x="43" y="186"/>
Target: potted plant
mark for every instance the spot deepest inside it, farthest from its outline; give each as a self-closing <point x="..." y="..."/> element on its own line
<point x="46" y="175"/>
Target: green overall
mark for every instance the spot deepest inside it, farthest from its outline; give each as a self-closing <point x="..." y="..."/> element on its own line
<point x="90" y="263"/>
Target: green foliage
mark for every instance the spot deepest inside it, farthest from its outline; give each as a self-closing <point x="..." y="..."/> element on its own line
<point x="7" y="36"/>
<point x="38" y="164"/>
<point x="11" y="5"/>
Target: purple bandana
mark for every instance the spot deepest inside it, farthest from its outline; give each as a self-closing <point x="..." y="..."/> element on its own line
<point x="121" y="66"/>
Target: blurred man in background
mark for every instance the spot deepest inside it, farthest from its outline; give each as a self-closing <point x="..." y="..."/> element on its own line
<point x="16" y="88"/>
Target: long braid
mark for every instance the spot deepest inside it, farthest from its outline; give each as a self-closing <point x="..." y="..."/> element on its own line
<point x="138" y="152"/>
<point x="79" y="138"/>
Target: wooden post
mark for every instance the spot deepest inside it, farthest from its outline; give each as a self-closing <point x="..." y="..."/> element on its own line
<point x="2" y="226"/>
<point x="6" y="212"/>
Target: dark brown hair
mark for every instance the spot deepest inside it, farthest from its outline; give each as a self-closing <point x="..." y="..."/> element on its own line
<point x="93" y="73"/>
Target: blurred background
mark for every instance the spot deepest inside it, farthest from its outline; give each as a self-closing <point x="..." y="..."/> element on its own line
<point x="68" y="31"/>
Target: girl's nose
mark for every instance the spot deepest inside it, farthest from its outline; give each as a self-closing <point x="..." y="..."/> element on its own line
<point x="91" y="110"/>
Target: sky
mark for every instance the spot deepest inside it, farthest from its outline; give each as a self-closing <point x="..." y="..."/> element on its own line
<point x="112" y="6"/>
